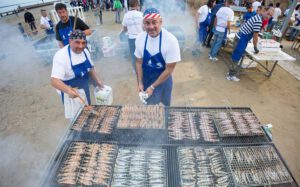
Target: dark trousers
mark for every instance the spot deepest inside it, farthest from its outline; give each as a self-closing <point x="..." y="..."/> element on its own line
<point x="32" y="25"/>
<point x="100" y="17"/>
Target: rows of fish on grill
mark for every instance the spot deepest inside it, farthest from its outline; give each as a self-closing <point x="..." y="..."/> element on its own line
<point x="87" y="164"/>
<point x="145" y="117"/>
<point x="238" y="123"/>
<point x="140" y="167"/>
<point x="256" y="165"/>
<point x="192" y="126"/>
<point x="96" y="119"/>
<point x="202" y="167"/>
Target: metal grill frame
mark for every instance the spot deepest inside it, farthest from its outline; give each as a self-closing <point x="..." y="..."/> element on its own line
<point x="287" y="184"/>
<point x="142" y="129"/>
<point x="63" y="156"/>
<point x="147" y="147"/>
<point x="223" y="140"/>
<point x="95" y="135"/>
<point x="170" y="146"/>
<point x="221" y="134"/>
<point x="220" y="150"/>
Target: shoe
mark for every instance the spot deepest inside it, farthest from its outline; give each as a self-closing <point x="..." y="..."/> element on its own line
<point x="232" y="78"/>
<point x="211" y="58"/>
<point x="215" y="59"/>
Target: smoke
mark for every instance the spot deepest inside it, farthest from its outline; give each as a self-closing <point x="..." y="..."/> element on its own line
<point x="31" y="121"/>
<point x="175" y="13"/>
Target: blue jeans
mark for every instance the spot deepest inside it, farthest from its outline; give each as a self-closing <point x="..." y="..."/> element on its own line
<point x="131" y="43"/>
<point x="118" y="16"/>
<point x="219" y="37"/>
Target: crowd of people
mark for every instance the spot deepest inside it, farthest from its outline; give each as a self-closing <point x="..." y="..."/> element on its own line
<point x="154" y="51"/>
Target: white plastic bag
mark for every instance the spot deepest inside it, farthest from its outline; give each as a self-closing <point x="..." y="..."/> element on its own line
<point x="72" y="106"/>
<point x="103" y="96"/>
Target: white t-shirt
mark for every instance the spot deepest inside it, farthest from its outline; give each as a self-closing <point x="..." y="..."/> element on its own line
<point x="224" y="15"/>
<point x="133" y="20"/>
<point x="277" y="13"/>
<point x="61" y="68"/>
<point x="255" y="5"/>
<point x="169" y="46"/>
<point x="203" y="11"/>
<point x="45" y="21"/>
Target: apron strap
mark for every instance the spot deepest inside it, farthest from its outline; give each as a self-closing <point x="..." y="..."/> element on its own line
<point x="69" y="51"/>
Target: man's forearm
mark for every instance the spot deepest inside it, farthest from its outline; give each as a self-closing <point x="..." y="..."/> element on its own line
<point x="88" y="32"/>
<point x="165" y="75"/>
<point x="255" y="39"/>
<point x="139" y="71"/>
<point x="60" y="85"/>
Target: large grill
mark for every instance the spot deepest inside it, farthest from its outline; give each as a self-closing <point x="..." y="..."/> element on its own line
<point x="174" y="146"/>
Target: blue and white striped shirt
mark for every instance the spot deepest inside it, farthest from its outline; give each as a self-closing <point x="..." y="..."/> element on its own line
<point x="254" y="24"/>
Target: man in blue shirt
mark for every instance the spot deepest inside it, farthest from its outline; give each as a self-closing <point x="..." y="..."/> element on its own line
<point x="250" y="13"/>
<point x="214" y="10"/>
<point x="248" y="30"/>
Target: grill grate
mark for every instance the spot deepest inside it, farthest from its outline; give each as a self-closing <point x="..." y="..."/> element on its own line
<point x="237" y="123"/>
<point x="256" y="166"/>
<point x="141" y="117"/>
<point x="199" y="125"/>
<point x="97" y="120"/>
<point x="203" y="166"/>
<point x="86" y="164"/>
<point x="191" y="126"/>
<point x="140" y="167"/>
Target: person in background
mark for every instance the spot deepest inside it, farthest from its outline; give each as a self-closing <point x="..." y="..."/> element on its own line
<point x="29" y="18"/>
<point x="296" y="23"/>
<point x="276" y="16"/>
<point x="24" y="34"/>
<point x="157" y="52"/>
<point x="72" y="68"/>
<point x="266" y="16"/>
<point x="248" y="31"/>
<point x="256" y="4"/>
<point x="126" y="2"/>
<point x="65" y="26"/>
<point x="46" y="23"/>
<point x="99" y="8"/>
<point x="203" y="19"/>
<point x="214" y="10"/>
<point x="250" y="13"/>
<point x="271" y="11"/>
<point x="117" y="6"/>
<point x="133" y="24"/>
<point x="222" y="25"/>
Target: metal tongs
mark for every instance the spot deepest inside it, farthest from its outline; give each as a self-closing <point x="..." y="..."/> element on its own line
<point x="89" y="107"/>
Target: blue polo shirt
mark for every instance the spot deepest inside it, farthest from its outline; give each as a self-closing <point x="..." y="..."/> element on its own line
<point x="248" y="15"/>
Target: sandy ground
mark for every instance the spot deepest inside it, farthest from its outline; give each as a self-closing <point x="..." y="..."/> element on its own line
<point x="32" y="119"/>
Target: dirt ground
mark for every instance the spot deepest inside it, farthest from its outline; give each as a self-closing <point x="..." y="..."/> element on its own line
<point x="32" y="119"/>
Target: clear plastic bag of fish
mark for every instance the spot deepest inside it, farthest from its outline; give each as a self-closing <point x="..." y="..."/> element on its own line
<point x="143" y="97"/>
<point x="103" y="96"/>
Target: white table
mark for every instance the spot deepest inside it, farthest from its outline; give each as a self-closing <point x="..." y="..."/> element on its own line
<point x="267" y="57"/>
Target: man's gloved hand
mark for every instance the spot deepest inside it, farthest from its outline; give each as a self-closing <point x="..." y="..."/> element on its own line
<point x="256" y="50"/>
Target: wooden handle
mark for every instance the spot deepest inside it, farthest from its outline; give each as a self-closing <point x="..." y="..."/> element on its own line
<point x="75" y="19"/>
